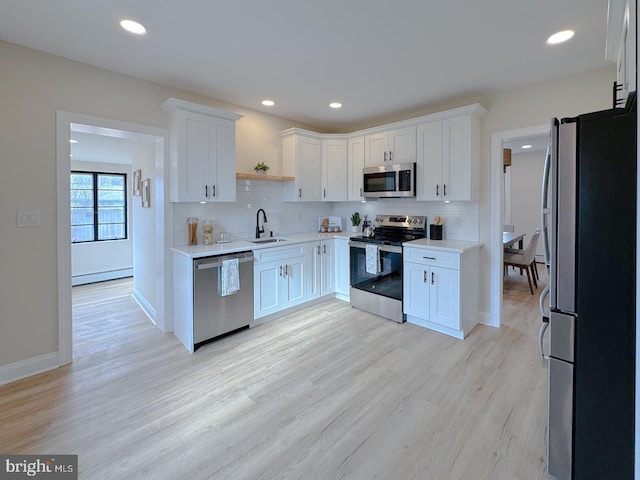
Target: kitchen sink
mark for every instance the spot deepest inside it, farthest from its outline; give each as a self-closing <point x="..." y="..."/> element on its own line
<point x="268" y="240"/>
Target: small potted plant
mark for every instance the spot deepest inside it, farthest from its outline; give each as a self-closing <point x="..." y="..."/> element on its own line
<point x="261" y="168"/>
<point x="355" y="222"/>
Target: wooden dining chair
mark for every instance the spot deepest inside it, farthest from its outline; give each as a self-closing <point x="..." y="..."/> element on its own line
<point x="524" y="259"/>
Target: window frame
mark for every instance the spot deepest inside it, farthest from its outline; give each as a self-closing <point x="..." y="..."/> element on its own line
<point x="96" y="223"/>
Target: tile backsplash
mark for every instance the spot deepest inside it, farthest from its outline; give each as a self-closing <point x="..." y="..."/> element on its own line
<point x="239" y="218"/>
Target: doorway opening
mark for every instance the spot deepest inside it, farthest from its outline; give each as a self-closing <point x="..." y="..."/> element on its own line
<point x="496" y="249"/>
<point x="135" y="147"/>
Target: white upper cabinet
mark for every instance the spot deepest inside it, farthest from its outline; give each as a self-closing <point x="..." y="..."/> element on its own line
<point x="390" y="146"/>
<point x="621" y="45"/>
<point x="355" y="160"/>
<point x="335" y="179"/>
<point x="301" y="158"/>
<point x="202" y="152"/>
<point x="448" y="156"/>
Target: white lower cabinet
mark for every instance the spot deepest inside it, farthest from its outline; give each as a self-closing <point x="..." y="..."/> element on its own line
<point x="440" y="289"/>
<point x="280" y="277"/>
<point x="321" y="263"/>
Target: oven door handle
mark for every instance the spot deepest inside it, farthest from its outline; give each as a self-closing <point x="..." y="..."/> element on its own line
<point x="381" y="247"/>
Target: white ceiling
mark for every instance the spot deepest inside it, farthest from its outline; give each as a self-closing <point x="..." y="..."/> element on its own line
<point x="378" y="57"/>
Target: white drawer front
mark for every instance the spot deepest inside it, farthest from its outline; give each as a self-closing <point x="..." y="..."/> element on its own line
<point x="278" y="253"/>
<point x="436" y="258"/>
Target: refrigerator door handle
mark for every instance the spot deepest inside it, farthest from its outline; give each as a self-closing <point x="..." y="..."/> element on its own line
<point x="544" y="203"/>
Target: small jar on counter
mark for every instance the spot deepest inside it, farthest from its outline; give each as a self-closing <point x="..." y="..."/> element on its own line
<point x="192" y="231"/>
<point x="207" y="232"/>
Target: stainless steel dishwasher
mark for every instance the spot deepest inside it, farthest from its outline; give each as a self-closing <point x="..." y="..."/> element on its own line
<point x="214" y="314"/>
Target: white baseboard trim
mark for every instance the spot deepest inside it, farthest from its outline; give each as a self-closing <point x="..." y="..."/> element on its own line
<point x="146" y="307"/>
<point x="26" y="368"/>
<point x="101" y="276"/>
<point x="485" y="319"/>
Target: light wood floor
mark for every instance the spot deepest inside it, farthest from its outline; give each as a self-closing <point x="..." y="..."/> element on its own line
<point x="326" y="393"/>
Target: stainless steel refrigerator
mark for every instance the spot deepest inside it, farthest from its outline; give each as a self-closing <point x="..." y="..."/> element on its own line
<point x="592" y="239"/>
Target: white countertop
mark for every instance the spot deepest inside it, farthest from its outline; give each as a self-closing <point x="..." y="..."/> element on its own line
<point x="234" y="246"/>
<point x="456" y="246"/>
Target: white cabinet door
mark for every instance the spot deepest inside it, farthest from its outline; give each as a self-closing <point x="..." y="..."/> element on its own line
<point x="301" y="159"/>
<point x="402" y="145"/>
<point x="416" y="290"/>
<point x="429" y="161"/>
<point x="341" y="262"/>
<point x="268" y="282"/>
<point x="295" y="272"/>
<point x="334" y="170"/>
<point x="222" y="160"/>
<point x="328" y="280"/>
<point x="456" y="154"/>
<point x="444" y="297"/>
<point x="355" y="160"/>
<point x="314" y="256"/>
<point x="192" y="164"/>
<point x="376" y="149"/>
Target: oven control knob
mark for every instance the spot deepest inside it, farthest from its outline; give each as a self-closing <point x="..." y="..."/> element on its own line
<point x="415" y="220"/>
<point x="420" y="221"/>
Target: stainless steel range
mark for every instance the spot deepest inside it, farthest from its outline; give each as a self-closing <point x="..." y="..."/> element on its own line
<point x="376" y="264"/>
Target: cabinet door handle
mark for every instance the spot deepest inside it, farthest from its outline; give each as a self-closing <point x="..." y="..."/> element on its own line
<point x="360" y="191"/>
<point x="444" y="189"/>
<point x="324" y="193"/>
<point x="437" y="190"/>
<point x="429" y="258"/>
<point x="299" y="193"/>
<point x="206" y="191"/>
<point x="286" y="270"/>
<point x="390" y="155"/>
<point x="432" y="278"/>
<point x="318" y="249"/>
<point x="213" y="190"/>
<point x="280" y="270"/>
<point x="424" y="277"/>
<point x="385" y="156"/>
<point x="324" y="249"/>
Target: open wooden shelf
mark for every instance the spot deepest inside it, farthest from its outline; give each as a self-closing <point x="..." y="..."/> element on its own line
<point x="268" y="178"/>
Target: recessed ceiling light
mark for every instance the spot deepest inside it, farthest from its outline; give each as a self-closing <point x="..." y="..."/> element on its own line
<point x="525" y="147"/>
<point x="335" y="105"/>
<point x="133" y="27"/>
<point x="268" y="103"/>
<point x="73" y="141"/>
<point x="560" y="37"/>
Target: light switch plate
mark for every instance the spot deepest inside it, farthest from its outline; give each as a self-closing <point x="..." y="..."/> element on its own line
<point x="29" y="219"/>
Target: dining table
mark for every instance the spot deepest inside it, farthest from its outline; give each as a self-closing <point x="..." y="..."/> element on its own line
<point x="509" y="238"/>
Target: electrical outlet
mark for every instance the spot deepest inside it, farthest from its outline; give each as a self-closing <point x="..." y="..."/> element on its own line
<point x="29" y="219"/>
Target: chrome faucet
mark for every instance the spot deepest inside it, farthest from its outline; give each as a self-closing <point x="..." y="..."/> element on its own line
<point x="260" y="229"/>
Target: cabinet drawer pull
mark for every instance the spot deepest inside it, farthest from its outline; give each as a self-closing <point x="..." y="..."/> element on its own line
<point x="432" y="278"/>
<point x="429" y="258"/>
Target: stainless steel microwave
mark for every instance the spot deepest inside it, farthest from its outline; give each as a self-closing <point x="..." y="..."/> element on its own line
<point x="394" y="180"/>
